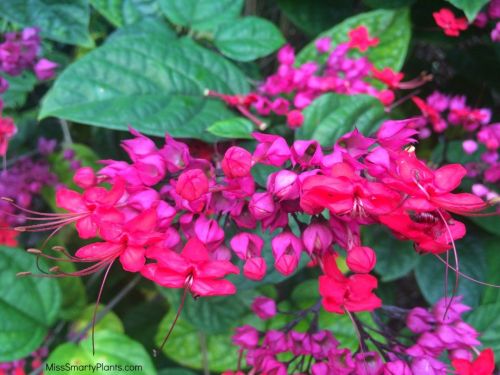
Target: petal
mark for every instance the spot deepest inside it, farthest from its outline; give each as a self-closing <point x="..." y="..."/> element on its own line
<point x="195" y="251"/>
<point x="86" y="227"/>
<point x="216" y="269"/>
<point x="163" y="277"/>
<point x="211" y="287"/>
<point x="132" y="259"/>
<point x="460" y="203"/>
<point x="70" y="200"/>
<point x="99" y="251"/>
<point x="448" y="178"/>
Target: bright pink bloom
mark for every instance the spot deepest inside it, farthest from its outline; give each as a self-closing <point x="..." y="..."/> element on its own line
<point x="271" y="149"/>
<point x="246" y="337"/>
<point x="284" y="185"/>
<point x="323" y="44"/>
<point x="419" y="320"/>
<point x="368" y="363"/>
<point x="237" y="162"/>
<point x="265" y="308"/>
<point x="295" y="119"/>
<point x="262" y="205"/>
<point x="469" y="146"/>
<point x="7" y="131"/>
<point x="175" y="154"/>
<point x="287" y="249"/>
<point x="280" y="106"/>
<point x="317" y="238"/>
<point x="306" y="153"/>
<point x="45" y="69"/>
<point x="397" y="368"/>
<point x="192" y="184"/>
<point x="447" y="21"/>
<point x="360" y="38"/>
<point x="361" y="259"/>
<point x="353" y="293"/>
<point x="192" y="269"/>
<point x="388" y="76"/>
<point x="286" y="55"/>
<point x="85" y="177"/>
<point x="484" y="364"/>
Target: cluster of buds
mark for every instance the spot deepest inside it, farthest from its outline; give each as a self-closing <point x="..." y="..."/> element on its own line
<point x="292" y="88"/>
<point x="316" y="351"/>
<point x="441" y="112"/>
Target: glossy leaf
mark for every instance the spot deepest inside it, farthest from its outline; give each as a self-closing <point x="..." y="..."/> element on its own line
<point x="248" y="38"/>
<point x="235" y="127"/>
<point x="110" y="322"/>
<point x="124" y="12"/>
<point x="28" y="305"/>
<point x="395" y="258"/>
<point x="392" y="27"/>
<point x="388" y="4"/>
<point x="19" y="89"/>
<point x="332" y="115"/>
<point x="430" y="272"/>
<point x="486" y="320"/>
<point x="185" y="346"/>
<point x="74" y="297"/>
<point x="200" y="14"/>
<point x="315" y="16"/>
<point x="146" y="78"/>
<point x="112" y="349"/>
<point x="470" y="7"/>
<point x="65" y="21"/>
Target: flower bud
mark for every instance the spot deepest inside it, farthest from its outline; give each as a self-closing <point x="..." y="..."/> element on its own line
<point x="280" y="106"/>
<point x="247" y="245"/>
<point x="323" y="44"/>
<point x="368" y="363"/>
<point x="255" y="268"/>
<point x="237" y="162"/>
<point x="271" y="149"/>
<point x="85" y="177"/>
<point x="246" y="337"/>
<point x="419" y="320"/>
<point x="317" y="238"/>
<point x="209" y="232"/>
<point x="397" y="368"/>
<point x="469" y="146"/>
<point x="295" y="119"/>
<point x="276" y="341"/>
<point x="284" y="185"/>
<point x="286" y="249"/>
<point x="262" y="205"/>
<point x="175" y="154"/>
<point x="306" y="153"/>
<point x="264" y="308"/>
<point x="45" y="69"/>
<point x="192" y="184"/>
<point x="361" y="259"/>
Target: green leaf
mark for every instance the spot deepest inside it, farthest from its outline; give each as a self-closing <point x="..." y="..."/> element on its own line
<point x="430" y="272"/>
<point x="212" y="314"/>
<point x="145" y="78"/>
<point x="392" y="27"/>
<point x="175" y="371"/>
<point x="486" y="320"/>
<point x="110" y="322"/>
<point x="112" y="349"/>
<point x="65" y="21"/>
<point x="395" y="258"/>
<point x="248" y="38"/>
<point x="200" y="14"/>
<point x="28" y="305"/>
<point x="332" y="115"/>
<point x="74" y="297"/>
<point x="19" y="88"/>
<point x="314" y="16"/>
<point x="492" y="276"/>
<point x="470" y="7"/>
<point x="124" y="12"/>
<point x="235" y="127"/>
<point x="184" y="346"/>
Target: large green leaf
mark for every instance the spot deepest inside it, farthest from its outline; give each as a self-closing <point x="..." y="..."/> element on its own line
<point x="470" y="7"/>
<point x="200" y="14"/>
<point x="112" y="349"/>
<point x="388" y="4"/>
<point x="109" y="322"/>
<point x="186" y="345"/>
<point x="19" y="88"/>
<point x="315" y="16"/>
<point x="234" y="127"/>
<point x="65" y="21"/>
<point x="124" y="12"/>
<point x="395" y="258"/>
<point x="73" y="293"/>
<point x="392" y="27"/>
<point x="486" y="320"/>
<point x="28" y="305"/>
<point x="332" y="115"/>
<point x="212" y="314"/>
<point x="248" y="38"/>
<point x="430" y="272"/>
<point x="146" y="78"/>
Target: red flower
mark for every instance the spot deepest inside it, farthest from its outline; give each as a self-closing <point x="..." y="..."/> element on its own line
<point x="359" y="38"/>
<point x="191" y="269"/>
<point x="388" y="76"/>
<point x="484" y="364"/>
<point x="7" y="131"/>
<point x="353" y="293"/>
<point x="451" y="25"/>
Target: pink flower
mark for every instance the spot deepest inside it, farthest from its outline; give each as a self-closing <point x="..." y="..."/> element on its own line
<point x="45" y="69"/>
<point x="368" y="363"/>
<point x="317" y="238"/>
<point x="264" y="308"/>
<point x="295" y="119"/>
<point x="469" y="146"/>
<point x="286" y="55"/>
<point x="284" y="185"/>
<point x="361" y="259"/>
<point x="271" y="149"/>
<point x="7" y="131"/>
<point x="237" y="162"/>
<point x="246" y="337"/>
<point x="323" y="44"/>
<point x="447" y="21"/>
<point x="419" y="320"/>
<point x="192" y="269"/>
<point x="286" y="249"/>
<point x="280" y="106"/>
<point x="192" y="184"/>
<point x="359" y="38"/>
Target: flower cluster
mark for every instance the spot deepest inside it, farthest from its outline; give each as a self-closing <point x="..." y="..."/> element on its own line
<point x="441" y="112"/>
<point x="292" y="88"/>
<point x="316" y="351"/>
<point x="20" y="366"/>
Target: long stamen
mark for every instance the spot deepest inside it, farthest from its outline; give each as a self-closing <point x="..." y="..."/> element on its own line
<point x="465" y="275"/>
<point x="97" y="305"/>
<point x="11" y="202"/>
<point x="179" y="310"/>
